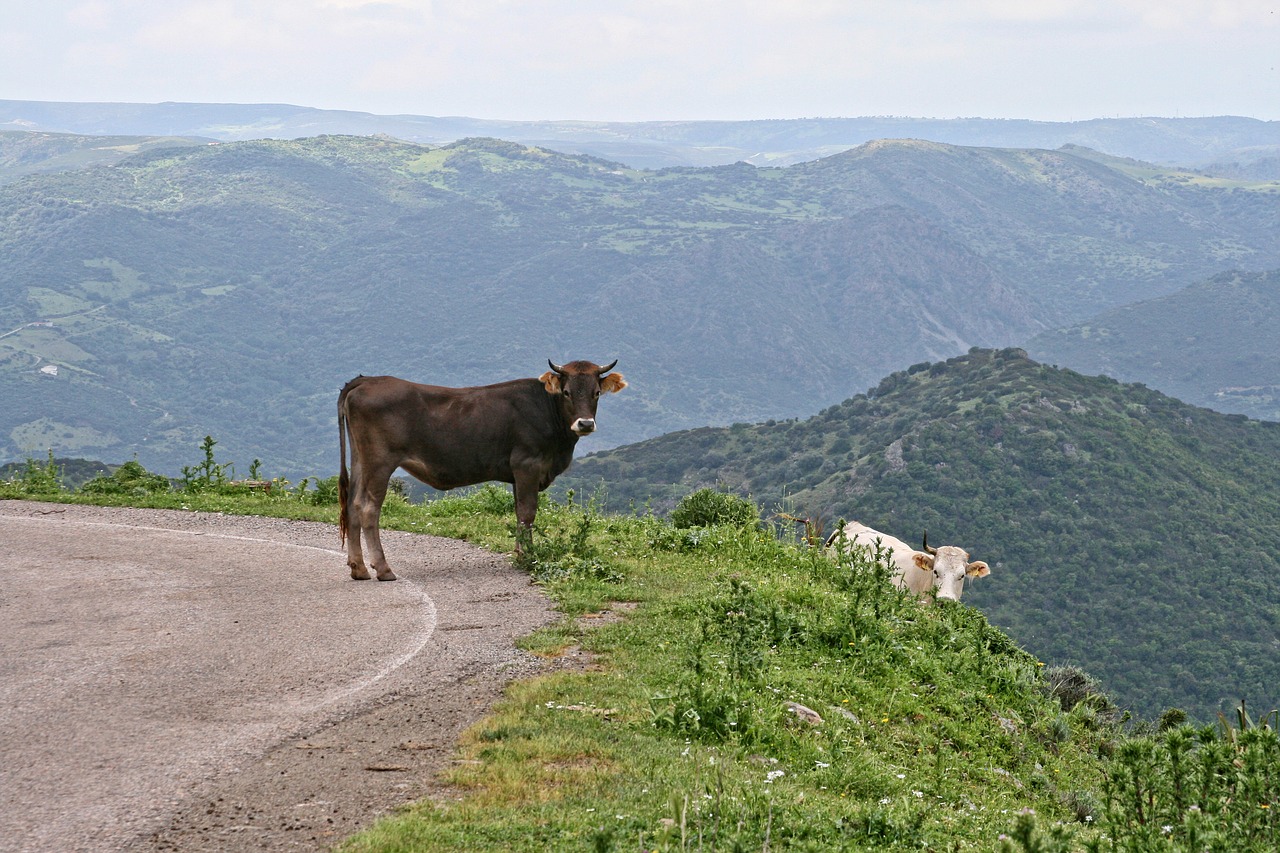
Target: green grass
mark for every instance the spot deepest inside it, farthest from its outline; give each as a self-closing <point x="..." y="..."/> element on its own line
<point x="937" y="732"/>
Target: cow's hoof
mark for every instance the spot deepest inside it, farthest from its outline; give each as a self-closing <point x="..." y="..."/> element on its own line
<point x="359" y="573"/>
<point x="387" y="576"/>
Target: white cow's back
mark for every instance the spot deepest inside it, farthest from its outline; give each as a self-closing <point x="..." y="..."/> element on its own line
<point x="906" y="575"/>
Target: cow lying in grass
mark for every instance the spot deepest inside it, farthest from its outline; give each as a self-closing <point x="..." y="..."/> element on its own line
<point x="944" y="568"/>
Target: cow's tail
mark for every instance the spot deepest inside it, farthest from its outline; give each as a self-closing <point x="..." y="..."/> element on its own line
<point x="344" y="480"/>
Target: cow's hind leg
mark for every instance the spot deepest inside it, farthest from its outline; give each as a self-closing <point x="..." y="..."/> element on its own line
<point x="355" y="557"/>
<point x="370" y="513"/>
<point x="355" y="522"/>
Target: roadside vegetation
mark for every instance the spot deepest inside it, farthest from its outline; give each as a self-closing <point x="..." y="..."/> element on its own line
<point x="1079" y="491"/>
<point x="749" y="691"/>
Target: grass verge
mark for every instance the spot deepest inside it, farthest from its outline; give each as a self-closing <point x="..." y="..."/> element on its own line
<point x="754" y="693"/>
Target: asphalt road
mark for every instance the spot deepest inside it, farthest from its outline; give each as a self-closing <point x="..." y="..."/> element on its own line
<point x="148" y="658"/>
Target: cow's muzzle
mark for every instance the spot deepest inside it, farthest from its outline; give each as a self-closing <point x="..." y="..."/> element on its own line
<point x="584" y="426"/>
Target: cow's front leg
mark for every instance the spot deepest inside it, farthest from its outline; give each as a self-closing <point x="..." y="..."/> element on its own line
<point x="526" y="494"/>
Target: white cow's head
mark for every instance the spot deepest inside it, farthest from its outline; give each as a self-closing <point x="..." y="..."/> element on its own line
<point x="950" y="566"/>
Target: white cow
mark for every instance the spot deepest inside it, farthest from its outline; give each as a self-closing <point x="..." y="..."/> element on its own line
<point x="943" y="568"/>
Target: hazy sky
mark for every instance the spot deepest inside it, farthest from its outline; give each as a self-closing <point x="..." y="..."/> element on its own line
<point x="657" y="59"/>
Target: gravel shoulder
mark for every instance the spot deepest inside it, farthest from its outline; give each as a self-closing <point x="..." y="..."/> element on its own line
<point x="187" y="681"/>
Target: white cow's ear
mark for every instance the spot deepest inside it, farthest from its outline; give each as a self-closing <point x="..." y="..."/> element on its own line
<point x="551" y="381"/>
<point x="978" y="570"/>
<point x="922" y="561"/>
<point x="613" y="383"/>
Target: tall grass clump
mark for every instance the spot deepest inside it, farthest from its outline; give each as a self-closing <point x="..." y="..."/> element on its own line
<point x="36" y="479"/>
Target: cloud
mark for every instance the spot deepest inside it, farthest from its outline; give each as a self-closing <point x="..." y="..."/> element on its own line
<point x="651" y="59"/>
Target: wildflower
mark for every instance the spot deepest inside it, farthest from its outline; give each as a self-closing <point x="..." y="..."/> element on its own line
<point x="774" y="774"/>
<point x="1167" y="828"/>
<point x="902" y="775"/>
<point x="918" y="794"/>
<point x="822" y="764"/>
<point x="884" y="801"/>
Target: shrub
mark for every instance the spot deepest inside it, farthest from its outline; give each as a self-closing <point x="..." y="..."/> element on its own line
<point x="325" y="492"/>
<point x="707" y="507"/>
<point x="489" y="499"/>
<point x="129" y="479"/>
<point x="1071" y="685"/>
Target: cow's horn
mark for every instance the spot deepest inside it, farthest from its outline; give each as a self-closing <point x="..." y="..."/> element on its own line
<point x="557" y="368"/>
<point x="607" y="368"/>
<point x="933" y="552"/>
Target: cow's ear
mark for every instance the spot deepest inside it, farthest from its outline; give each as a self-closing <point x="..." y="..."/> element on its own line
<point x="922" y="561"/>
<point x="551" y="381"/>
<point x="978" y="570"/>
<point x="613" y="383"/>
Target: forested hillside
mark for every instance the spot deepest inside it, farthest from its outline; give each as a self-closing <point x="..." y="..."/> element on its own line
<point x="1128" y="533"/>
<point x="1215" y="343"/>
<point x="232" y="289"/>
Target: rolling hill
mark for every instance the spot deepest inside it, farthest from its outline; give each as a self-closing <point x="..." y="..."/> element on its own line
<point x="1214" y="343"/>
<point x="25" y="153"/>
<point x="231" y="289"/>
<point x="1128" y="533"/>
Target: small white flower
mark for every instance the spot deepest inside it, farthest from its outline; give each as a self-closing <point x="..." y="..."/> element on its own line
<point x="918" y="794"/>
<point x="774" y="774"/>
<point x="902" y="775"/>
<point x="884" y="801"/>
<point x="1166" y="829"/>
<point x="822" y="764"/>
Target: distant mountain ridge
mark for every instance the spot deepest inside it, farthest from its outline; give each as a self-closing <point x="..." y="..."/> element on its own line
<point x="1128" y="532"/>
<point x="1220" y="141"/>
<point x="233" y="288"/>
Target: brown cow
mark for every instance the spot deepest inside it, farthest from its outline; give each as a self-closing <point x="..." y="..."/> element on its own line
<point x="521" y="432"/>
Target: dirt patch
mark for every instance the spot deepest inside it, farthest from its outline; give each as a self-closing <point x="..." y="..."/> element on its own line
<point x="183" y="681"/>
